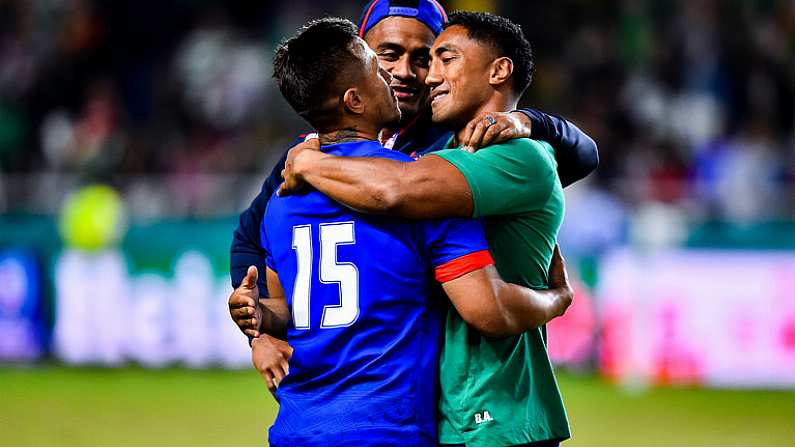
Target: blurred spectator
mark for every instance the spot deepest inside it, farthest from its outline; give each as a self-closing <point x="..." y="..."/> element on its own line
<point x="692" y="103"/>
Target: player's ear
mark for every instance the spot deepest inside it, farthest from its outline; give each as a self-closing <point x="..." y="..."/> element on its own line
<point x="500" y="71"/>
<point x="353" y="101"/>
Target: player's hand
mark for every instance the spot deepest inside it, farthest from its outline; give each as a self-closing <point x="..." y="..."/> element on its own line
<point x="293" y="182"/>
<point x="559" y="280"/>
<point x="489" y="128"/>
<point x="271" y="358"/>
<point x="243" y="306"/>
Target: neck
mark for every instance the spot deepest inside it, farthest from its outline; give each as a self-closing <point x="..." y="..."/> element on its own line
<point x="346" y="135"/>
<point x="406" y="121"/>
<point x="498" y="102"/>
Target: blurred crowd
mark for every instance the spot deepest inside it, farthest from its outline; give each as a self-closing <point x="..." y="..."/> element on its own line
<point x="690" y="101"/>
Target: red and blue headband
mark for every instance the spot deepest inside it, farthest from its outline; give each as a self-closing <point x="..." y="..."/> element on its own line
<point x="429" y="12"/>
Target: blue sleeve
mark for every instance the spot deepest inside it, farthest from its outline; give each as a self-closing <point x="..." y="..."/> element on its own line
<point x="449" y="239"/>
<point x="246" y="246"/>
<point x="575" y="152"/>
<point x="389" y="153"/>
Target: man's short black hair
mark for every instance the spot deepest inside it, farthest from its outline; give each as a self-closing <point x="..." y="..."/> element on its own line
<point x="505" y="37"/>
<point x="309" y="66"/>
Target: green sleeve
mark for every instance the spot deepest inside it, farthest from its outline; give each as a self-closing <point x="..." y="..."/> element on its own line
<point x="510" y="178"/>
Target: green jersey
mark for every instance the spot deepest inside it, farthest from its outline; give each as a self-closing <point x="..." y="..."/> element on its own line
<point x="502" y="391"/>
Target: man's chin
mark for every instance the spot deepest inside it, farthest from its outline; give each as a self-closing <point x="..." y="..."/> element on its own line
<point x="439" y="118"/>
<point x="409" y="110"/>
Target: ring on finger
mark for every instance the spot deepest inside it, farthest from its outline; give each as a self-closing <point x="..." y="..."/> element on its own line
<point x="490" y="119"/>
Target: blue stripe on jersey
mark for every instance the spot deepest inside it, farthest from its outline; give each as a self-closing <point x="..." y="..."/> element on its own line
<point x="367" y="318"/>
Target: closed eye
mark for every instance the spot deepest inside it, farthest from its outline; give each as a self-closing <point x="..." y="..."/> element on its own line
<point x="390" y="56"/>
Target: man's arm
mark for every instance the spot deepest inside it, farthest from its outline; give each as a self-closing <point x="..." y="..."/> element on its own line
<point x="496" y="308"/>
<point x="427" y="188"/>
<point x="508" y="178"/>
<point x="275" y="313"/>
<point x="576" y="153"/>
<point x="246" y="249"/>
<point x="270" y="352"/>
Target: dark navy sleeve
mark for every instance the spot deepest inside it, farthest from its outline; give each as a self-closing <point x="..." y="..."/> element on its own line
<point x="246" y="247"/>
<point x="266" y="244"/>
<point x="575" y="152"/>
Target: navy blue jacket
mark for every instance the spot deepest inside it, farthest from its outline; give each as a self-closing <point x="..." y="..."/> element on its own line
<point x="576" y="154"/>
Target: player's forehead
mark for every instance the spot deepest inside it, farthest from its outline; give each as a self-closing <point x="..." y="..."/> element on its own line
<point x="456" y="39"/>
<point x="404" y="33"/>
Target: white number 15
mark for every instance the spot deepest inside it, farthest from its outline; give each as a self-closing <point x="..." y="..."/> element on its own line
<point x="344" y="274"/>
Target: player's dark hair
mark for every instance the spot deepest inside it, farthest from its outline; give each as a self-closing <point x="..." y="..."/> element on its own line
<point x="310" y="66"/>
<point x="505" y="37"/>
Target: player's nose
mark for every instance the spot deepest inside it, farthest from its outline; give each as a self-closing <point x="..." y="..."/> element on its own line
<point x="402" y="70"/>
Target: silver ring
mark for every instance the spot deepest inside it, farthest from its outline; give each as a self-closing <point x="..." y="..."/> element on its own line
<point x="491" y="120"/>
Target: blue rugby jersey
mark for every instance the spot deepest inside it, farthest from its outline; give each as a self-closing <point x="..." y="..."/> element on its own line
<point x="366" y="321"/>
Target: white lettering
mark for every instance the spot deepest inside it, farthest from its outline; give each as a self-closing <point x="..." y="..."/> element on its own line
<point x="483" y="417"/>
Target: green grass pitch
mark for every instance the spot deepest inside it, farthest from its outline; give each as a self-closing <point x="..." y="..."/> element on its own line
<point x="56" y="406"/>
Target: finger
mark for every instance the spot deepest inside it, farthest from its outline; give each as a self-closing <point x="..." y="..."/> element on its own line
<point x="477" y="135"/>
<point x="287" y="351"/>
<point x="556" y="259"/>
<point x="557" y="270"/>
<point x="241" y="307"/>
<point x="252" y="323"/>
<point x="506" y="134"/>
<point x="556" y="254"/>
<point x="285" y="365"/>
<point x="278" y="375"/>
<point x="251" y="333"/>
<point x="250" y="281"/>
<point x="247" y="323"/>
<point x="492" y="132"/>
<point x="468" y="131"/>
<point x="242" y="313"/>
<point x="237" y="300"/>
<point x="313" y="143"/>
<point x="476" y="129"/>
<point x="266" y="374"/>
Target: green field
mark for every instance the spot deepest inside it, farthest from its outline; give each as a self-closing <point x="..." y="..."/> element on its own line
<point x="135" y="407"/>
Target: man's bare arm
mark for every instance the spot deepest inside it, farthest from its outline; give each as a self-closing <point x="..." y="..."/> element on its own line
<point x="427" y="188"/>
<point x="496" y="308"/>
<point x="275" y="313"/>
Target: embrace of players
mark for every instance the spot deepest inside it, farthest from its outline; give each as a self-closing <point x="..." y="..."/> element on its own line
<point x="397" y="284"/>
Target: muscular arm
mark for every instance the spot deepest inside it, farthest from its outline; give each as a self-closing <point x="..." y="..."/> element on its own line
<point x="430" y="187"/>
<point x="496" y="308"/>
<point x="427" y="188"/>
<point x="275" y="313"/>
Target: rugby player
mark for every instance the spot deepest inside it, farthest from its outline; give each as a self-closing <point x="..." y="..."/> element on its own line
<point x="354" y="291"/>
<point x="495" y="391"/>
<point x="402" y="32"/>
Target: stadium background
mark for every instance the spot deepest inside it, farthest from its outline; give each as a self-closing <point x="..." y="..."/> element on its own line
<point x="133" y="132"/>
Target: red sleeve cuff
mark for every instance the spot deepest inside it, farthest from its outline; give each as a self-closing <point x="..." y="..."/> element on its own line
<point x="458" y="267"/>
